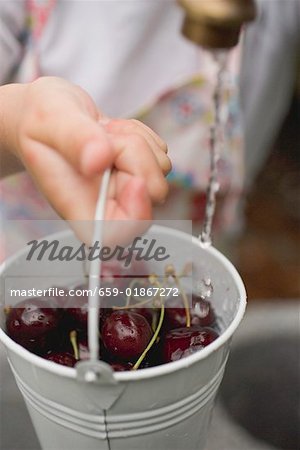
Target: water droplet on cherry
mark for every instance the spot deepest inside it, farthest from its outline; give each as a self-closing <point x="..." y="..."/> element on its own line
<point x="125" y="334"/>
<point x="183" y="342"/>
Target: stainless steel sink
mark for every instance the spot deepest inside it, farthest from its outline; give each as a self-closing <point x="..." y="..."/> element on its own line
<point x="260" y="391"/>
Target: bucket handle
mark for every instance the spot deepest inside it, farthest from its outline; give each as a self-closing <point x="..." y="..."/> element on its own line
<point x="93" y="370"/>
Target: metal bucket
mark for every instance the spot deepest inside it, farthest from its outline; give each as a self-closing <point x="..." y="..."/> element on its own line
<point x="163" y="407"/>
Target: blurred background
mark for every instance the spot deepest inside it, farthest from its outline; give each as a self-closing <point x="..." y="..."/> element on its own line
<point x="269" y="249"/>
<point x="258" y="405"/>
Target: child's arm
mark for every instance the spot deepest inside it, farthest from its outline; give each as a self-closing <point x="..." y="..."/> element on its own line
<point x="65" y="143"/>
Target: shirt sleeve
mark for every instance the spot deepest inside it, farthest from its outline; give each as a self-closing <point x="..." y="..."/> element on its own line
<point x="12" y="25"/>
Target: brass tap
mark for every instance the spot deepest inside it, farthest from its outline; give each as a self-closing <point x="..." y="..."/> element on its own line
<point x="216" y="23"/>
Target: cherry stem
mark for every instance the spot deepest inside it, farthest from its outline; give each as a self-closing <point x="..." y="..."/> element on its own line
<point x="7" y="309"/>
<point x="73" y="339"/>
<point x="188" y="268"/>
<point x="144" y="302"/>
<point x="132" y="283"/>
<point x="170" y="271"/>
<point x="153" y="280"/>
<point x="153" y="339"/>
<point x="154" y="321"/>
<point x="185" y="271"/>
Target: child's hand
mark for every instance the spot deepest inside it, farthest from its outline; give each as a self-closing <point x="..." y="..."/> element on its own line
<point x="66" y="143"/>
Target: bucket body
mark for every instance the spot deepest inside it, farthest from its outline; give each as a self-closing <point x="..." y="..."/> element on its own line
<point x="163" y="407"/>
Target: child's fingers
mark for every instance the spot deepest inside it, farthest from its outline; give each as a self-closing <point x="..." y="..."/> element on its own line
<point x="134" y="156"/>
<point x="155" y="136"/>
<point x="134" y="199"/>
<point x="128" y="209"/>
<point x="61" y="117"/>
<point x="65" y="189"/>
<point x="76" y="136"/>
<point x="157" y="145"/>
<point x="133" y="125"/>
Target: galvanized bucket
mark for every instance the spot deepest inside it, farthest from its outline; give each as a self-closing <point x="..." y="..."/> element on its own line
<point x="163" y="407"/>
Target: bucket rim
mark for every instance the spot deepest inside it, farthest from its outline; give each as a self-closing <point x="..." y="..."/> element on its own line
<point x="150" y="372"/>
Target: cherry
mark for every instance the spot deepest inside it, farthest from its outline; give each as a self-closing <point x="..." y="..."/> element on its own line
<point x="107" y="303"/>
<point x="145" y="312"/>
<point x="63" y="358"/>
<point x="201" y="313"/>
<point x="153" y="357"/>
<point x="56" y="327"/>
<point x="121" y="366"/>
<point x="79" y="309"/>
<point x="61" y="296"/>
<point x="74" y="342"/>
<point x="182" y="342"/>
<point x="33" y="323"/>
<point x="125" y="334"/>
<point x="79" y="312"/>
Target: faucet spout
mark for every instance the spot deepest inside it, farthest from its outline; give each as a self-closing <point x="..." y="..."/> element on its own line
<point x="216" y="24"/>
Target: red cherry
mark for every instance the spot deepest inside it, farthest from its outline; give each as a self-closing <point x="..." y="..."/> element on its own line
<point x="145" y="312"/>
<point x="182" y="342"/>
<point x="33" y="322"/>
<point x="81" y="341"/>
<point x="61" y="296"/>
<point x="63" y="358"/>
<point x="201" y="313"/>
<point x="153" y="357"/>
<point x="126" y="334"/>
<point x="107" y="303"/>
<point x="78" y="306"/>
<point x="121" y="366"/>
<point x="79" y="312"/>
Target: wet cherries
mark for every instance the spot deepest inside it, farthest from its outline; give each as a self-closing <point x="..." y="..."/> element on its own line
<point x="182" y="342"/>
<point x="134" y="332"/>
<point x="34" y="323"/>
<point x="201" y="313"/>
<point x="125" y="335"/>
<point x="63" y="358"/>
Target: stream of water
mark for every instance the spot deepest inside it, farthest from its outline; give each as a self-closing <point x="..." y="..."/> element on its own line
<point x="216" y="143"/>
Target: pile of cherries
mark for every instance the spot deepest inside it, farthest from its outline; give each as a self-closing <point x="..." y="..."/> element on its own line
<point x="134" y="333"/>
